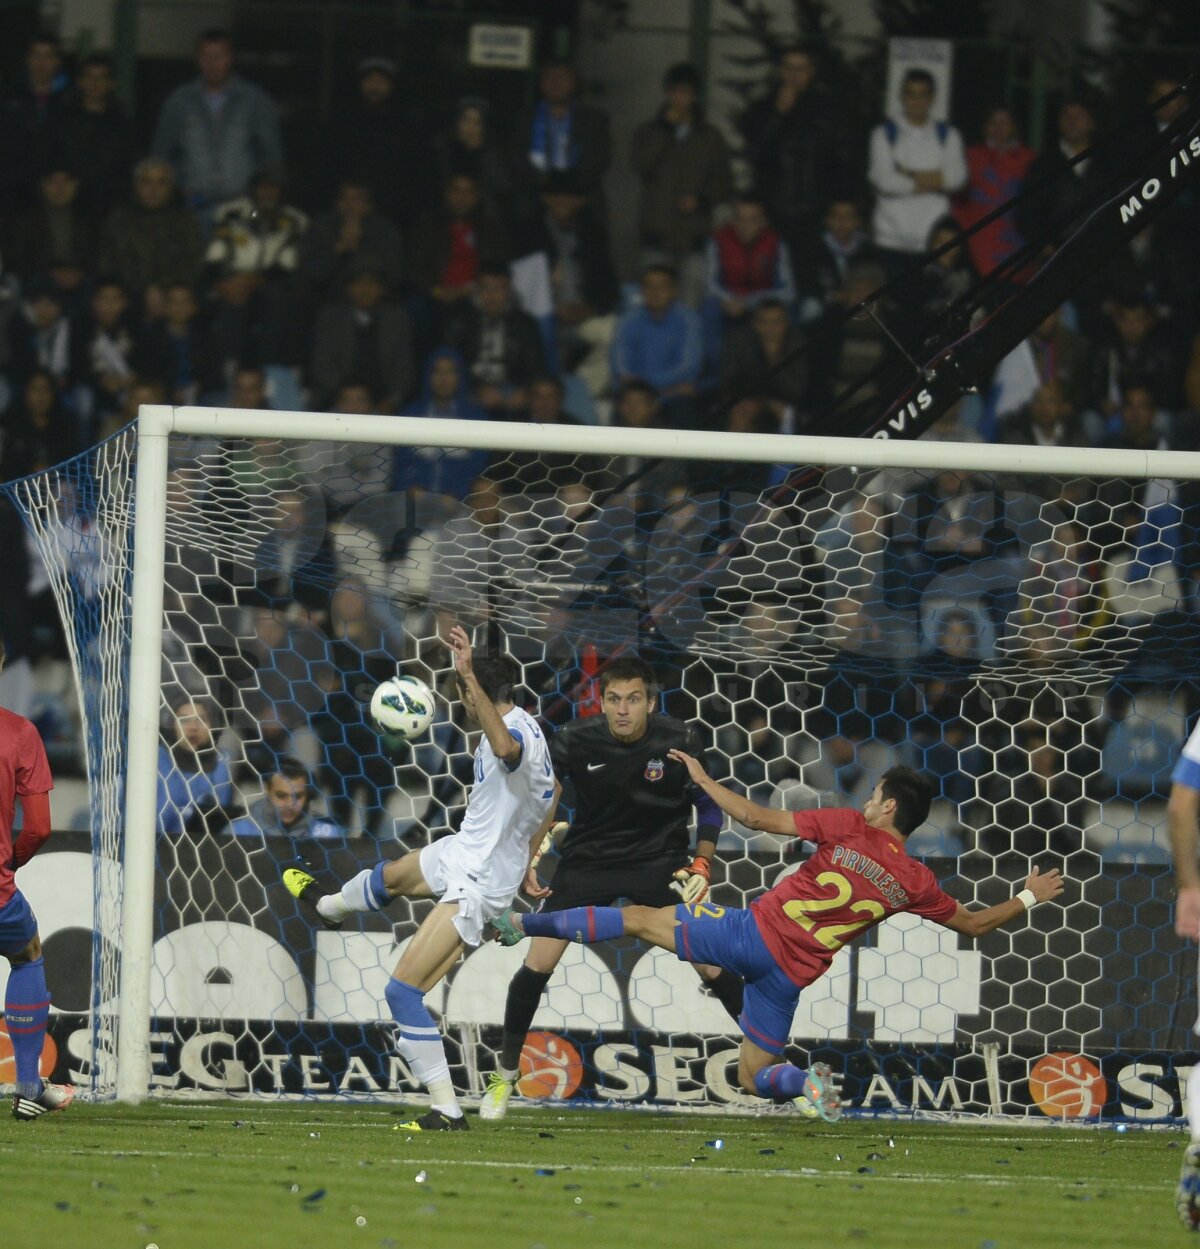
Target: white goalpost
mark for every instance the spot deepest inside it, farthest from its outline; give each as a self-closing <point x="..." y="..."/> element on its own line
<point x="1013" y="619"/>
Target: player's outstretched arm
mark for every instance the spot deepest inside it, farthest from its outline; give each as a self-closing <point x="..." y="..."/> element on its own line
<point x="1039" y="887"/>
<point x="747" y="813"/>
<point x="504" y="745"/>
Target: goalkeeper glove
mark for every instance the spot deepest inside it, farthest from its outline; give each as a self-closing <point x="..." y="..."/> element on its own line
<point x="553" y="834"/>
<point x="691" y="882"/>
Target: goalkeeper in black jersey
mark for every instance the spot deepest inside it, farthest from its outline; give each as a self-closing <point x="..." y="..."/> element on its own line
<point x="629" y="839"/>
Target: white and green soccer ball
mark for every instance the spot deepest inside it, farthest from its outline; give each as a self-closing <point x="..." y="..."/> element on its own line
<point x="403" y="706"/>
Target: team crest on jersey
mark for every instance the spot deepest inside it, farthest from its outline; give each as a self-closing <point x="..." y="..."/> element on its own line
<point x="655" y="769"/>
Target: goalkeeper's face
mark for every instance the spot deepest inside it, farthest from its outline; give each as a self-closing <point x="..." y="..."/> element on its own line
<point x="627" y="708"/>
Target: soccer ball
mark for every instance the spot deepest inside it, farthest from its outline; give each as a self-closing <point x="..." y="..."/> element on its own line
<point x="403" y="706"/>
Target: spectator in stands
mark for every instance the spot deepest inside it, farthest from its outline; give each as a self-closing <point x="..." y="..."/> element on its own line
<point x="470" y="147"/>
<point x="1063" y="183"/>
<point x="286" y="653"/>
<point x="179" y="350"/>
<point x="354" y="235"/>
<point x="682" y="163"/>
<point x="584" y="286"/>
<point x="356" y="773"/>
<point x="996" y="171"/>
<point x="747" y="262"/>
<point x="56" y="235"/>
<point x="363" y="335"/>
<point x="95" y="137"/>
<point x="1134" y="349"/>
<point x="764" y="370"/>
<point x="1052" y="353"/>
<point x="294" y="562"/>
<point x="39" y="429"/>
<point x="42" y="336"/>
<point x="285" y="809"/>
<point x="1140" y="424"/>
<point x="916" y="164"/>
<point x="1059" y="189"/>
<point x="110" y="349"/>
<point x="946" y="279"/>
<point x="796" y="145"/>
<point x="140" y="390"/>
<point x="29" y="114"/>
<point x="251" y="262"/>
<point x="350" y="473"/>
<point x="1047" y="420"/>
<point x="847" y="351"/>
<point x="824" y="264"/>
<point x="194" y="783"/>
<point x="453" y="241"/>
<point x="152" y="242"/>
<point x="374" y="140"/>
<point x="438" y="470"/>
<point x="661" y="343"/>
<point x="500" y="344"/>
<point x="1161" y="265"/>
<point x="645" y="481"/>
<point x="522" y="472"/>
<point x="218" y="130"/>
<point x="1063" y="587"/>
<point x="563" y="135"/>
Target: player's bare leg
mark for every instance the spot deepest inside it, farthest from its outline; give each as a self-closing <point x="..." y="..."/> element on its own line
<point x="762" y="1073"/>
<point x="371" y="890"/>
<point x="431" y="953"/>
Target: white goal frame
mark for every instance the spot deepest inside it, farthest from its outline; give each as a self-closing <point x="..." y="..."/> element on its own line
<point x="157" y="423"/>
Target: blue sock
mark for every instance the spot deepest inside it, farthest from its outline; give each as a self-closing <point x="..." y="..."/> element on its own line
<point x="26" y="1009"/>
<point x="378" y="890"/>
<point x="780" y="1082"/>
<point x="587" y="924"/>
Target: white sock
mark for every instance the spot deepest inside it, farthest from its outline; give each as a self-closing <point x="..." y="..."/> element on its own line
<point x="510" y="1076"/>
<point x="1193" y="1103"/>
<point x="354" y="896"/>
<point x="427" y="1060"/>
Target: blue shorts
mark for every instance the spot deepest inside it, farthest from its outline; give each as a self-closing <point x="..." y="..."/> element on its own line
<point x="730" y="938"/>
<point x="18" y="927"/>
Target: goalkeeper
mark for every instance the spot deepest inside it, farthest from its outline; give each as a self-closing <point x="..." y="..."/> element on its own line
<point x="629" y="839"/>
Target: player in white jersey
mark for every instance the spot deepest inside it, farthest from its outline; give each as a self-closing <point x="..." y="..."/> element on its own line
<point x="1183" y="819"/>
<point x="473" y="874"/>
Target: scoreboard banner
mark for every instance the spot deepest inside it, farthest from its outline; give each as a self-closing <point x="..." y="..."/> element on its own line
<point x="263" y="1000"/>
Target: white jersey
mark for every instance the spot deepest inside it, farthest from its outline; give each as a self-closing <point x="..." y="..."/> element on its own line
<point x="506" y="807"/>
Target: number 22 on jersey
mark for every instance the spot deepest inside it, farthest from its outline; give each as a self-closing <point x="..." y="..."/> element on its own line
<point x="807" y="912"/>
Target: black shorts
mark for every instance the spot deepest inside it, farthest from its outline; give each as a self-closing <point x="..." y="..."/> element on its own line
<point x="643" y="884"/>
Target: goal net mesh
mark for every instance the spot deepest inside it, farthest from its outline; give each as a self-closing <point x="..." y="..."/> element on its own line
<point x="1028" y="642"/>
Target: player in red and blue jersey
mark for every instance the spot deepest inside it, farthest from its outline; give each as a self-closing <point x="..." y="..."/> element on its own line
<point x="858" y="875"/>
<point x="24" y="774"/>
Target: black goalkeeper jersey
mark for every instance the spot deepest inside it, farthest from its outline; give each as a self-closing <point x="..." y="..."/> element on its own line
<point x="632" y="804"/>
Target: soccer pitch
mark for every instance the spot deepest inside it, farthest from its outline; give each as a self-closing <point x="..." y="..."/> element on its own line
<point x="268" y="1176"/>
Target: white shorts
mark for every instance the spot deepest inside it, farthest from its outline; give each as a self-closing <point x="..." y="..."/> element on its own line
<point x="453" y="881"/>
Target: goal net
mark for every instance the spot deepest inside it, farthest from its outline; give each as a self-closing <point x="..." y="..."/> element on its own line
<point x="1013" y="621"/>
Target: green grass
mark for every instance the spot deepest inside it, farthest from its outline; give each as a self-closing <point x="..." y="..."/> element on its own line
<point x="236" y="1175"/>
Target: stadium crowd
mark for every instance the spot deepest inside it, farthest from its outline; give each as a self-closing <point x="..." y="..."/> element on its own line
<point x="472" y="276"/>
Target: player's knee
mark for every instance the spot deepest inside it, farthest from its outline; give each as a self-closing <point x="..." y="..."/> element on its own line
<point x="637" y="919"/>
<point x="32" y="951"/>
